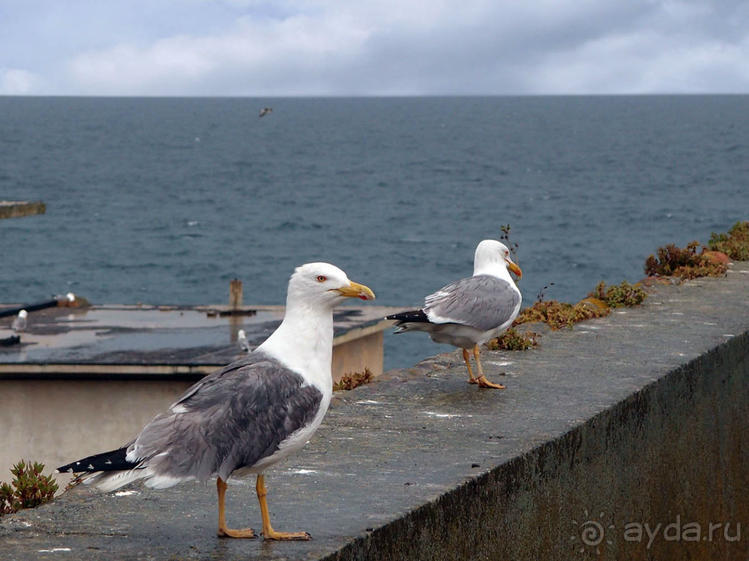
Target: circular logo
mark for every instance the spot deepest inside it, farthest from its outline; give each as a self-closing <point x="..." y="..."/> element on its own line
<point x="591" y="533"/>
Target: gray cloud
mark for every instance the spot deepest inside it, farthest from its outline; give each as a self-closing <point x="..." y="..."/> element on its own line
<point x="297" y="47"/>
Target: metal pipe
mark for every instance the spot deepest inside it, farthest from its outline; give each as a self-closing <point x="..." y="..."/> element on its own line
<point x="28" y="307"/>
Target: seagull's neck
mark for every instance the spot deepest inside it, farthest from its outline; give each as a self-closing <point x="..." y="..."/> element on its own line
<point x="304" y="342"/>
<point x="493" y="268"/>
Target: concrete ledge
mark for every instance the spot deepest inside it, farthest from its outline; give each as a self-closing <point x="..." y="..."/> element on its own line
<point x="637" y="420"/>
<point x="103" y="371"/>
<point x="17" y="209"/>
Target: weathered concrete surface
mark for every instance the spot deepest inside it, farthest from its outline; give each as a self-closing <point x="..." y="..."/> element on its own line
<point x="637" y="420"/>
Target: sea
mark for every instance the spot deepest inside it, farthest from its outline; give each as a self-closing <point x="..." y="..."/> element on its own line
<point x="165" y="200"/>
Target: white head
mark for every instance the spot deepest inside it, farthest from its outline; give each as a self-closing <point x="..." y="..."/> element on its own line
<point x="491" y="254"/>
<point x="323" y="285"/>
<point x="304" y="340"/>
<point x="23" y="314"/>
<point x="70" y="297"/>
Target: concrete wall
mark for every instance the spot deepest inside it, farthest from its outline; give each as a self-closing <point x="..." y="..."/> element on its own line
<point x="58" y="421"/>
<point x="663" y="475"/>
<point x="359" y="354"/>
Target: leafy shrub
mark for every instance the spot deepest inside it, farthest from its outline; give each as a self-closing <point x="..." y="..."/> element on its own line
<point x="513" y="340"/>
<point x="735" y="243"/>
<point x="558" y="315"/>
<point x="623" y="294"/>
<point x="28" y="489"/>
<point x="684" y="263"/>
<point x="354" y="380"/>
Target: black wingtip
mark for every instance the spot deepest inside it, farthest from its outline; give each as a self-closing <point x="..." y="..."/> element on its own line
<point x="113" y="460"/>
<point x="413" y="316"/>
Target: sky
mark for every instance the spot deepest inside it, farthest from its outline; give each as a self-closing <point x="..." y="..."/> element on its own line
<point x="377" y="48"/>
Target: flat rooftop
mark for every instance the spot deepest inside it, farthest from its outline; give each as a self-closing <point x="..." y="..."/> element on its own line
<point x="137" y="336"/>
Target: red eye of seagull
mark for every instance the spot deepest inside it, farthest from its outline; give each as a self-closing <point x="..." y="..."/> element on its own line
<point x="321" y="278"/>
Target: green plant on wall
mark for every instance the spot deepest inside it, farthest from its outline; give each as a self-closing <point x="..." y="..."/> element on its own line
<point x="735" y="243"/>
<point x="623" y="294"/>
<point x="684" y="263"/>
<point x="28" y="489"/>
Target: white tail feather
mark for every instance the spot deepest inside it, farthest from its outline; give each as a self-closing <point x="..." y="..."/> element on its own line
<point x="165" y="481"/>
<point x="107" y="481"/>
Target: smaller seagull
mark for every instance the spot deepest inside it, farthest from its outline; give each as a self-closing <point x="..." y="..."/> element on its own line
<point x="264" y="111"/>
<point x="20" y="321"/>
<point x="469" y="312"/>
<point x="242" y="340"/>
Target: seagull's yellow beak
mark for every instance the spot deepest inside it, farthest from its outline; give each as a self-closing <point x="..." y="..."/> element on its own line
<point x="356" y="290"/>
<point x="514" y="268"/>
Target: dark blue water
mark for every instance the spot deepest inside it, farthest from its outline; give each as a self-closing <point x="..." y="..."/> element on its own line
<point x="165" y="200"/>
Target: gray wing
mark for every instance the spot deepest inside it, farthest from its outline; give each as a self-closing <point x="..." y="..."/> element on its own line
<point x="228" y="420"/>
<point x="483" y="302"/>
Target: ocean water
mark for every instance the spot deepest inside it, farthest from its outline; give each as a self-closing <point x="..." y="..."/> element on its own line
<point x="164" y="200"/>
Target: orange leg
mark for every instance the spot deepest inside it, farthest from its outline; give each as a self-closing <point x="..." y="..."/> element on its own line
<point x="467" y="359"/>
<point x="268" y="532"/>
<point x="223" y="531"/>
<point x="481" y="380"/>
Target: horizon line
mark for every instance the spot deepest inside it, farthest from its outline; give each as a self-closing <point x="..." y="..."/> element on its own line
<point x="371" y="96"/>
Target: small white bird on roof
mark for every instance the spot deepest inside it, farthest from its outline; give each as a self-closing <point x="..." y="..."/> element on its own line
<point x="242" y="341"/>
<point x="247" y="416"/>
<point x="20" y="321"/>
<point x="469" y="312"/>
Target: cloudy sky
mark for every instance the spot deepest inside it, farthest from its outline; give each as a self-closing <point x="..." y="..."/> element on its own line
<point x="360" y="47"/>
